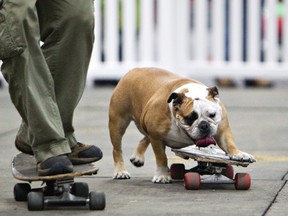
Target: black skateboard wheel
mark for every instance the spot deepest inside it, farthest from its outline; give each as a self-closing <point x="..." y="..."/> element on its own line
<point x="21" y="191"/>
<point x="35" y="201"/>
<point x="80" y="189"/>
<point x="177" y="171"/>
<point x="97" y="200"/>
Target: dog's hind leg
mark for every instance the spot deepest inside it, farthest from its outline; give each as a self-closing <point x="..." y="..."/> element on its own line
<point x="117" y="127"/>
<point x="138" y="157"/>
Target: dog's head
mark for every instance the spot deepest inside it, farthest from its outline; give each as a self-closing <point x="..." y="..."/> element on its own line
<point x="197" y="112"/>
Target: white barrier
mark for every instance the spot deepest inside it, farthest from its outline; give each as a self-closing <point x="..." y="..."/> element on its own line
<point x="172" y="42"/>
<point x="174" y="35"/>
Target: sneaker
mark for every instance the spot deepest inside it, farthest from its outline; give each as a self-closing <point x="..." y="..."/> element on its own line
<point x="55" y="165"/>
<point x="82" y="154"/>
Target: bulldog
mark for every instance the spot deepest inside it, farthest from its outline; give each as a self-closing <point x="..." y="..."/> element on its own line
<point x="169" y="110"/>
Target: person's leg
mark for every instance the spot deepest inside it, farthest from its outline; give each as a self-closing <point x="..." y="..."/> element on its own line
<point x="67" y="31"/>
<point x="31" y="85"/>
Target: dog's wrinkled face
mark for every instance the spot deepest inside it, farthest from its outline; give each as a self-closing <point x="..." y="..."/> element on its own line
<point x="196" y="109"/>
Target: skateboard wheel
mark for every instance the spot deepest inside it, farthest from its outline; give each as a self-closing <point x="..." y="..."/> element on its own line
<point x="242" y="181"/>
<point x="228" y="172"/>
<point x="192" y="181"/>
<point x="97" y="200"/>
<point x="177" y="171"/>
<point x="35" y="201"/>
<point x="80" y="189"/>
<point x="21" y="191"/>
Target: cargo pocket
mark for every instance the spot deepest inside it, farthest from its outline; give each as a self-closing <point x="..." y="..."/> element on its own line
<point x="8" y="47"/>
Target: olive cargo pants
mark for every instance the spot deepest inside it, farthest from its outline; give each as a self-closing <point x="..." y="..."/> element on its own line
<point x="46" y="82"/>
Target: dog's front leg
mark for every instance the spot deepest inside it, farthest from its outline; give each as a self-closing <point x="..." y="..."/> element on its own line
<point x="225" y="141"/>
<point x="162" y="171"/>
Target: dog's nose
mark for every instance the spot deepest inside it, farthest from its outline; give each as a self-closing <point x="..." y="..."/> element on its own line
<point x="204" y="127"/>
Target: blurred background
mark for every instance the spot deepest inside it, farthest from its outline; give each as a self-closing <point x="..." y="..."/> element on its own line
<point x="231" y="43"/>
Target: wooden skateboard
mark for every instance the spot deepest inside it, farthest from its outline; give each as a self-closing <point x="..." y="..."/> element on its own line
<point x="214" y="167"/>
<point x="57" y="190"/>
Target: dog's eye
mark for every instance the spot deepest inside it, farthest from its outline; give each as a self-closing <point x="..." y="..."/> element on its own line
<point x="212" y="115"/>
<point x="191" y="118"/>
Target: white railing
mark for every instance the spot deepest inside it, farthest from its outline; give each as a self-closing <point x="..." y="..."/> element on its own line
<point x="195" y="50"/>
<point x="174" y="34"/>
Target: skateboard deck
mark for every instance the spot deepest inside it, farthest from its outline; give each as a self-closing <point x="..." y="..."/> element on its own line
<point x="56" y="190"/>
<point x="209" y="154"/>
<point x="24" y="168"/>
<point x="214" y="167"/>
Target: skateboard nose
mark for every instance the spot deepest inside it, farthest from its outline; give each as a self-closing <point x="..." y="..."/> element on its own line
<point x="204" y="127"/>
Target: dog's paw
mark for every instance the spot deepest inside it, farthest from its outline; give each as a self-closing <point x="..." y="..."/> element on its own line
<point x="122" y="175"/>
<point x="136" y="161"/>
<point x="162" y="176"/>
<point x="243" y="156"/>
<point x="163" y="179"/>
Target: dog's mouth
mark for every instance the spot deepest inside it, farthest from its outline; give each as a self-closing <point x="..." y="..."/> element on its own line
<point x="205" y="141"/>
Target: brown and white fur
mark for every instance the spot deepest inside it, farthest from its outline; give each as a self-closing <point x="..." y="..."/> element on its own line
<point x="169" y="110"/>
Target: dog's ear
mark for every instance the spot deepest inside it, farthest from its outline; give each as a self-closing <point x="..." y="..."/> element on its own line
<point x="173" y="96"/>
<point x="177" y="97"/>
<point x="213" y="92"/>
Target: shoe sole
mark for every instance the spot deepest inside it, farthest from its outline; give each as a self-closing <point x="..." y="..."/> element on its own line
<point x="55" y="170"/>
<point x="79" y="161"/>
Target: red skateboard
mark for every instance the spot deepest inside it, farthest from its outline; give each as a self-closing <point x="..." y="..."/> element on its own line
<point x="214" y="167"/>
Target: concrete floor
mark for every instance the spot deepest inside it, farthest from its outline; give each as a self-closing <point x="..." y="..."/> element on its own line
<point x="259" y="120"/>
